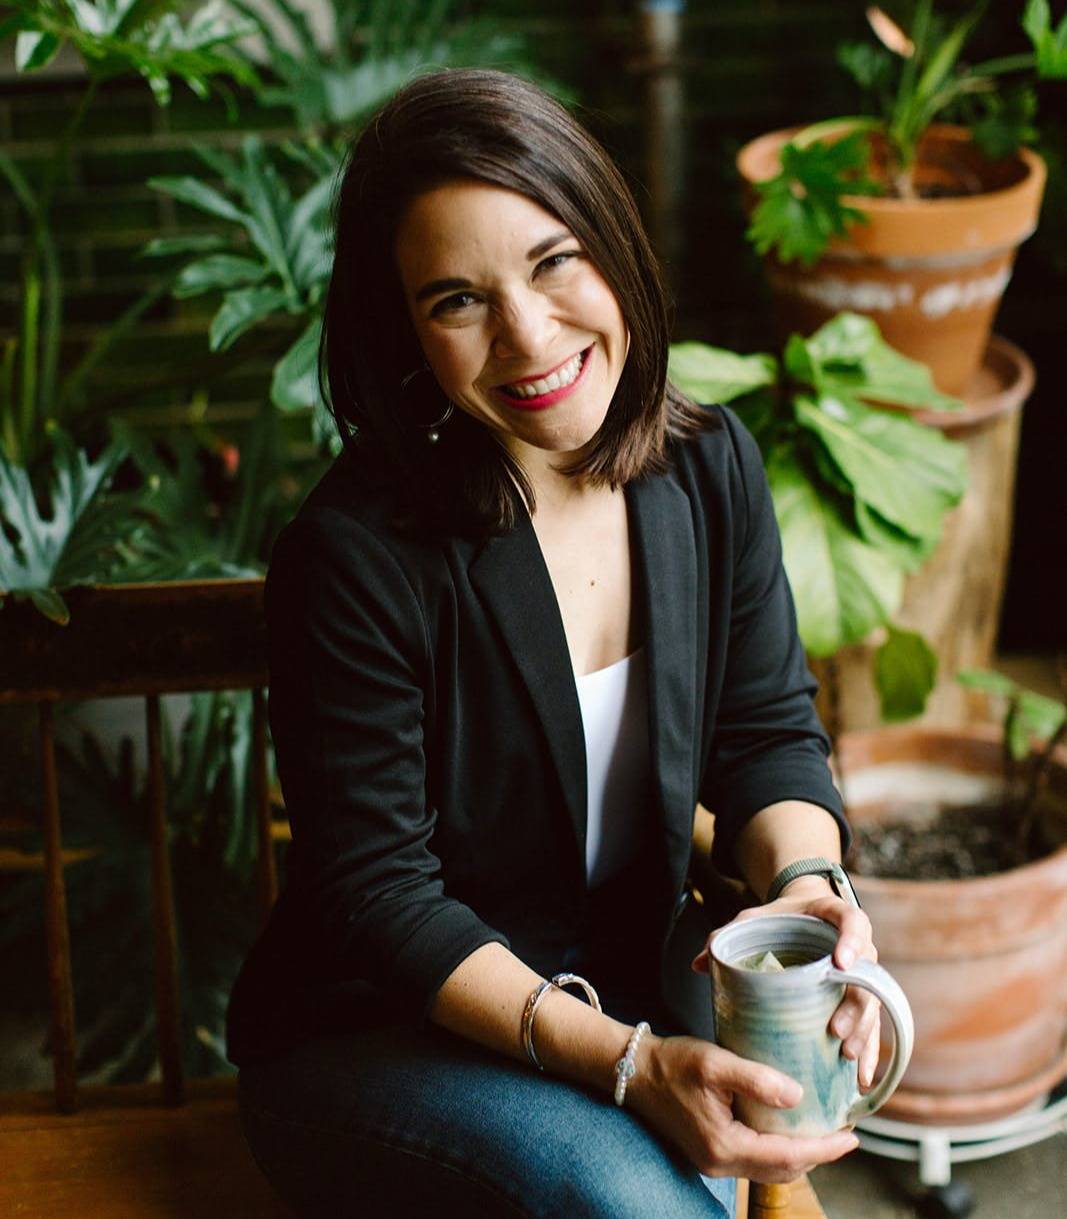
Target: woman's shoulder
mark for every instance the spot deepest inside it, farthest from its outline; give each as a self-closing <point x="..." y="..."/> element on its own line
<point x="354" y="526"/>
<point x="723" y="450"/>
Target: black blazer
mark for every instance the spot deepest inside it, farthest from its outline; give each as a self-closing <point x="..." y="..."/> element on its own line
<point x="429" y="738"/>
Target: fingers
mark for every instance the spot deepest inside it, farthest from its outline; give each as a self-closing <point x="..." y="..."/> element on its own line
<point x="774" y="1159"/>
<point x="762" y="1083"/>
<point x="856" y="1022"/>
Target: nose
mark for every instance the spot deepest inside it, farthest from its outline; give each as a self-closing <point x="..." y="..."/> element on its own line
<point x="526" y="326"/>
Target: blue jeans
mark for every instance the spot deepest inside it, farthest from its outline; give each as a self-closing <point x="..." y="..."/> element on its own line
<point x="399" y="1122"/>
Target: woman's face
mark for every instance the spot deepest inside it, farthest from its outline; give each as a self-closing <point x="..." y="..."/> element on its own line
<point x="519" y="328"/>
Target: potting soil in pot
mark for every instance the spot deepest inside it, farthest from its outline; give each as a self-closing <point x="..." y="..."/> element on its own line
<point x="942" y="843"/>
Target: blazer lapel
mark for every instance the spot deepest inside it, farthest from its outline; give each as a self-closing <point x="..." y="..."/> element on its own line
<point x="665" y="554"/>
<point x="512" y="579"/>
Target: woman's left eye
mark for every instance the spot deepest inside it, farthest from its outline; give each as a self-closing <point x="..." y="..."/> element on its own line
<point x="554" y="261"/>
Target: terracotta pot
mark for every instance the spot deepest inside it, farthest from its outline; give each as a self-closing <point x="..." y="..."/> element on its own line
<point x="930" y="272"/>
<point x="983" y="961"/>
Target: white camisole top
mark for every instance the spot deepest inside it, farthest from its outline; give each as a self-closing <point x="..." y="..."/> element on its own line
<point x="614" y="703"/>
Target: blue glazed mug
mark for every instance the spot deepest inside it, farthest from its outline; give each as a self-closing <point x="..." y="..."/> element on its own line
<point x="782" y="1020"/>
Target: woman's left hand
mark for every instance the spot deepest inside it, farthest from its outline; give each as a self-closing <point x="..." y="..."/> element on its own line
<point x="856" y="1020"/>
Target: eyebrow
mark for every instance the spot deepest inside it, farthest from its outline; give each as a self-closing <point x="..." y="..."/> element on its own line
<point x="436" y="286"/>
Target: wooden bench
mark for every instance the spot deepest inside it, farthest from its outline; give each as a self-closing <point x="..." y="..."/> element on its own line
<point x="171" y="1149"/>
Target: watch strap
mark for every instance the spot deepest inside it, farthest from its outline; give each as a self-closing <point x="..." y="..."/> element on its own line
<point x="817" y="866"/>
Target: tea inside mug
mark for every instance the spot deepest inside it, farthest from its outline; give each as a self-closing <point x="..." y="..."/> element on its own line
<point x="774" y="962"/>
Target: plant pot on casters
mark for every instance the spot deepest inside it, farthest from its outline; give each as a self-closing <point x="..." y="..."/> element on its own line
<point x="982" y="960"/>
<point x="929" y="271"/>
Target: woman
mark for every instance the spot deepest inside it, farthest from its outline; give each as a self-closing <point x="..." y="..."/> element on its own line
<point x="533" y="614"/>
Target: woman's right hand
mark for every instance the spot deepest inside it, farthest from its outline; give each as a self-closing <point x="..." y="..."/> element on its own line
<point x="684" y="1088"/>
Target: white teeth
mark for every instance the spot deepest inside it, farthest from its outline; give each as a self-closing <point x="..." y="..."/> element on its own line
<point x="556" y="380"/>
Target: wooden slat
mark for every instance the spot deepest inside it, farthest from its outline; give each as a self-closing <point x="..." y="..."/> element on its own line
<point x="136" y="639"/>
<point x="168" y="1016"/>
<point x="57" y="931"/>
<point x="265" y="870"/>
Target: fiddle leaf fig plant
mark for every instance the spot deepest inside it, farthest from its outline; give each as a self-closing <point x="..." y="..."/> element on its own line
<point x="912" y="76"/>
<point x="860" y="493"/>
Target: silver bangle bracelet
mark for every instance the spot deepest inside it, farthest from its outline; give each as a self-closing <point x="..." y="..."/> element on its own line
<point x="534" y="1001"/>
<point x="626" y="1068"/>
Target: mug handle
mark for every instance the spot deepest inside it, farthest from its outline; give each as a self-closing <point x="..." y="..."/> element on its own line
<point x="872" y="977"/>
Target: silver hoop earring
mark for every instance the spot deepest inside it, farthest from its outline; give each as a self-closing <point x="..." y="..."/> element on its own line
<point x="432" y="430"/>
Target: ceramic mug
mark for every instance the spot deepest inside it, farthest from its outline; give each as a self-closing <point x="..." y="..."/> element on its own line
<point x="782" y="1019"/>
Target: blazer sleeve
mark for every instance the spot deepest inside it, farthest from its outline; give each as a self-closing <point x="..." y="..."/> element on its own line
<point x="350" y="661"/>
<point x="767" y="742"/>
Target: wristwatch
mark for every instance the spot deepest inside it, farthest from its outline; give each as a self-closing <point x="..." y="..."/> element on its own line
<point x="818" y="866"/>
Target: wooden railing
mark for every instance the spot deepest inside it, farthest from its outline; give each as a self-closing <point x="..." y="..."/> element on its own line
<point x="143" y="640"/>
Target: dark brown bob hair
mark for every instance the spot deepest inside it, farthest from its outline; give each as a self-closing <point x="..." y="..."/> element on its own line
<point x="494" y="128"/>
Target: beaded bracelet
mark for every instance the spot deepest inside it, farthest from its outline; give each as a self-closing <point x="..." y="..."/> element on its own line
<point x="534" y="1001"/>
<point x="626" y="1068"/>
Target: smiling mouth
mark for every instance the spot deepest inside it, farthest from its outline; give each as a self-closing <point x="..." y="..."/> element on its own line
<point x="543" y="391"/>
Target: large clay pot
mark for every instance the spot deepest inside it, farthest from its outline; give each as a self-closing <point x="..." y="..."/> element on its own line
<point x="930" y="272"/>
<point x="983" y="961"/>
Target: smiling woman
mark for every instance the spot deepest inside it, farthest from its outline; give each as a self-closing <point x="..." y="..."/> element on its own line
<point x="534" y="613"/>
<point x="527" y="339"/>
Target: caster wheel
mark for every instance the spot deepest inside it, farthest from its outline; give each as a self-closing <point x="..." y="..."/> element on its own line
<point x="952" y="1201"/>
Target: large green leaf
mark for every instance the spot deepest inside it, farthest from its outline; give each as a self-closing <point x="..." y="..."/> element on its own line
<point x="908" y="473"/>
<point x="199" y="195"/>
<point x="218" y="271"/>
<point x="75" y="543"/>
<point x="712" y="375"/>
<point x="905" y="670"/>
<point x="240" y="311"/>
<point x="295" y="383"/>
<point x="843" y="587"/>
<point x="849" y="353"/>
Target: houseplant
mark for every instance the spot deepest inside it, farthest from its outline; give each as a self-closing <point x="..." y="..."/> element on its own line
<point x="961" y="864"/>
<point x="860" y="493"/>
<point x="84" y="499"/>
<point x="908" y="220"/>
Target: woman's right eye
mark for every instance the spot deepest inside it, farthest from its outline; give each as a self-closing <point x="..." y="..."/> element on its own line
<point x="455" y="303"/>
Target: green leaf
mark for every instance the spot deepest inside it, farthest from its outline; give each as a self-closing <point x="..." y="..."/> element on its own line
<point x="49" y="602"/>
<point x="849" y="353"/>
<point x="74" y="544"/>
<point x="1042" y="716"/>
<point x="843" y="588"/>
<point x="1050" y="48"/>
<point x="907" y="551"/>
<point x="192" y="243"/>
<point x="803" y="207"/>
<point x="34" y="49"/>
<point x="988" y="681"/>
<point x="711" y="375"/>
<point x="905" y="671"/>
<point x="240" y="311"/>
<point x="199" y="195"/>
<point x="218" y="271"/>
<point x="1018" y="735"/>
<point x="871" y="67"/>
<point x="295" y="382"/>
<point x="908" y="473"/>
<point x="1007" y="124"/>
